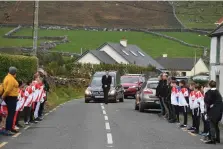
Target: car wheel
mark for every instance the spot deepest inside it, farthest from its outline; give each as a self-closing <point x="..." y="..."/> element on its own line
<point x="141" y="107"/>
<point x="121" y="99"/>
<point x="136" y="107"/>
<point x="86" y="101"/>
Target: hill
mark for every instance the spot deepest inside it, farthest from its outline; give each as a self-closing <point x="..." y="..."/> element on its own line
<point x="77" y="13"/>
<point x="199" y="14"/>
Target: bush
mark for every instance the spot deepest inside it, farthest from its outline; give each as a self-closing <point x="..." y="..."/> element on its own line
<point x="26" y="65"/>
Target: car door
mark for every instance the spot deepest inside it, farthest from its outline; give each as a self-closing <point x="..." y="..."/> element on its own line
<point x="141" y="89"/>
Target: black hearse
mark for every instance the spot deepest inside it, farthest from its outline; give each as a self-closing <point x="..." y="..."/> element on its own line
<point x="94" y="91"/>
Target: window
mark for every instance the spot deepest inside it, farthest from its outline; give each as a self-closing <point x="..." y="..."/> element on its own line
<point x="152" y="85"/>
<point x="96" y="81"/>
<point x="125" y="52"/>
<point x="133" y="53"/>
<point x="141" y="53"/>
<point x="183" y="73"/>
<point x="218" y="50"/>
<point x="129" y="79"/>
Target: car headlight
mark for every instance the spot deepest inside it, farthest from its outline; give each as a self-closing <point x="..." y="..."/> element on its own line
<point x="87" y="92"/>
<point x="112" y="92"/>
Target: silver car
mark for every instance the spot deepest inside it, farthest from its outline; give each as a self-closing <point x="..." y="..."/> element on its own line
<point x="147" y="96"/>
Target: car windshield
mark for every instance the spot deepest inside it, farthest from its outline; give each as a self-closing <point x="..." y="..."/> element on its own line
<point x="152" y="85"/>
<point x="96" y="81"/>
<point x="129" y="79"/>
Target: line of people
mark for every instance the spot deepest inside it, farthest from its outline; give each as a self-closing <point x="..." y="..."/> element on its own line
<point x="18" y="97"/>
<point x="200" y="102"/>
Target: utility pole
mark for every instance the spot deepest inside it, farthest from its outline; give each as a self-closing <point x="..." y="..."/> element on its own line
<point x="35" y="27"/>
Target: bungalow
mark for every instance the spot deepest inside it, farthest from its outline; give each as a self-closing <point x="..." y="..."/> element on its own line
<point x="120" y="53"/>
<point x="183" y="66"/>
<point x="216" y="57"/>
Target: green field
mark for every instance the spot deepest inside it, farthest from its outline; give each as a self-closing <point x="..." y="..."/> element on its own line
<point x="153" y="45"/>
<point x="191" y="38"/>
<point x="199" y="14"/>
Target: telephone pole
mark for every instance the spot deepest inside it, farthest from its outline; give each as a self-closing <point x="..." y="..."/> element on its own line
<point x="35" y="27"/>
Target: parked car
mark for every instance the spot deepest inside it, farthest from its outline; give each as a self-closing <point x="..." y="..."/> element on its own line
<point x="131" y="84"/>
<point x="146" y="96"/>
<point x="178" y="79"/>
<point x="94" y="91"/>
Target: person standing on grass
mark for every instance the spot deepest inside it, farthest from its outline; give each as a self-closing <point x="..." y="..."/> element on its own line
<point x="10" y="96"/>
<point x="213" y="101"/>
<point x="183" y="101"/>
<point x="106" y="84"/>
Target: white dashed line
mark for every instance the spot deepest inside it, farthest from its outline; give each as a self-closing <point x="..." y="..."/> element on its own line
<point x="107" y="126"/>
<point x="104" y="112"/>
<point x="102" y="107"/>
<point x="26" y="127"/>
<point x="16" y="135"/>
<point x="109" y="138"/>
<point x="3" y="144"/>
<point x="106" y="117"/>
<point x="46" y="114"/>
<point x="101" y="104"/>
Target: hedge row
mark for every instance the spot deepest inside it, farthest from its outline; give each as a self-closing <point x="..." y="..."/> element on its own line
<point x="26" y="66"/>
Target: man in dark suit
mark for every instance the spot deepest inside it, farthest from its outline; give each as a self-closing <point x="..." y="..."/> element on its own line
<point x="106" y="84"/>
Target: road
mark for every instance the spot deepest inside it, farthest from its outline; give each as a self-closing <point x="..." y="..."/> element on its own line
<point x="77" y="125"/>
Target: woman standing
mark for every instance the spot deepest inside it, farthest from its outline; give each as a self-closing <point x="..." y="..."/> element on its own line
<point x="213" y="101"/>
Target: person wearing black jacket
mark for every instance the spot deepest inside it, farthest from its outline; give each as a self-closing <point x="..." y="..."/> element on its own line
<point x="162" y="89"/>
<point x="158" y="95"/>
<point x="214" y="105"/>
<point x="106" y="84"/>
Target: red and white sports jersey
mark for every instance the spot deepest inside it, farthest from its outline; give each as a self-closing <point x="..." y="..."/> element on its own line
<point x="182" y="97"/>
<point x="29" y="95"/>
<point x="200" y="101"/>
<point x="21" y="100"/>
<point x="191" y="99"/>
<point x="185" y="92"/>
<point x="174" y="96"/>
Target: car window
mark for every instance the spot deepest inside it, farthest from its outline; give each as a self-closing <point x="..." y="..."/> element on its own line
<point x="129" y="79"/>
<point x="152" y="85"/>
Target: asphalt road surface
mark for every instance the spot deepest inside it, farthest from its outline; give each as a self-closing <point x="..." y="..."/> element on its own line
<point x="77" y="125"/>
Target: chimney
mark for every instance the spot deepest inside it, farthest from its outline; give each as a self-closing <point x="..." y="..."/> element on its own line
<point x="164" y="55"/>
<point x="123" y="42"/>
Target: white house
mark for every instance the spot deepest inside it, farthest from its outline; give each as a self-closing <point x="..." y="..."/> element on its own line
<point x="121" y="53"/>
<point x="183" y="66"/>
<point x="216" y="57"/>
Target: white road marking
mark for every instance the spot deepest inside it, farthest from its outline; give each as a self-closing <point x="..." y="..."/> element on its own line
<point x="26" y="127"/>
<point x="107" y="126"/>
<point x="102" y="107"/>
<point x="46" y="114"/>
<point x="106" y="117"/>
<point x="101" y="104"/>
<point x="104" y="112"/>
<point x="109" y="138"/>
<point x="3" y="144"/>
<point x="192" y="134"/>
<point x="16" y="135"/>
<point x="50" y="111"/>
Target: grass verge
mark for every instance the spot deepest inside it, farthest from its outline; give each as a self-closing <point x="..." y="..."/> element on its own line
<point x="60" y="95"/>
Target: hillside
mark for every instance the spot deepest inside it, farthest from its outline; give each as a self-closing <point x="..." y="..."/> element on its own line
<point x="106" y="14"/>
<point x="199" y="14"/>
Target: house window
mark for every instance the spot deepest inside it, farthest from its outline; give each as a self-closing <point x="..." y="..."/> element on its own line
<point x="184" y="73"/>
<point x="141" y="53"/>
<point x="125" y="52"/>
<point x="133" y="53"/>
<point x="218" y="51"/>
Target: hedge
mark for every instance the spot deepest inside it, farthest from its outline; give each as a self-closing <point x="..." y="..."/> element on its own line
<point x="26" y="66"/>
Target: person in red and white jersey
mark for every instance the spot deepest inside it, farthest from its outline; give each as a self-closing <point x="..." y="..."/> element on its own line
<point x="39" y="100"/>
<point x="184" y="101"/>
<point x="28" y="102"/>
<point x="198" y="106"/>
<point x="191" y="105"/>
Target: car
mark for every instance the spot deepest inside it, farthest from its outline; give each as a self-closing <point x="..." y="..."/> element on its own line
<point x="94" y="91"/>
<point x="131" y="84"/>
<point x="178" y="79"/>
<point x="146" y="96"/>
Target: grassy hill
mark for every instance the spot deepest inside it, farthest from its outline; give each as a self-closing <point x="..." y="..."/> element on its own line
<point x="153" y="45"/>
<point x="88" y="13"/>
<point x="199" y="14"/>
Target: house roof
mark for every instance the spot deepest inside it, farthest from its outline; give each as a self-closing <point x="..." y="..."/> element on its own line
<point x="103" y="57"/>
<point x="133" y="54"/>
<point x="217" y="32"/>
<point x="176" y="63"/>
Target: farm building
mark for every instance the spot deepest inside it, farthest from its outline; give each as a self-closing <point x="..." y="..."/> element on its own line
<point x="183" y="66"/>
<point x="216" y="57"/>
<point x="121" y="53"/>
